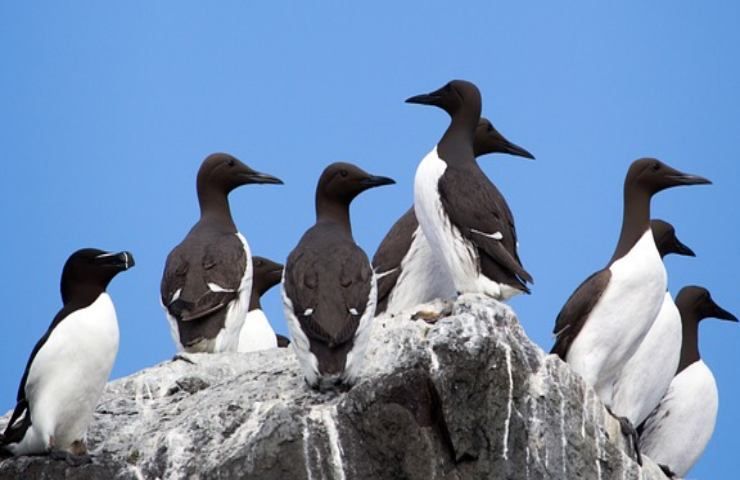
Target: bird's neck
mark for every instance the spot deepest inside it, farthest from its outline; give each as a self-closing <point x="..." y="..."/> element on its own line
<point x="254" y="300"/>
<point x="635" y="220"/>
<point x="214" y="208"/>
<point x="689" y="341"/>
<point x="335" y="212"/>
<point x="457" y="142"/>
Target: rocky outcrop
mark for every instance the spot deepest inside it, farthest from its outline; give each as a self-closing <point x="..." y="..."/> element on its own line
<point x="467" y="397"/>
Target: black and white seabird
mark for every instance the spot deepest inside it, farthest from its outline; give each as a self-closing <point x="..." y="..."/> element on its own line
<point x="207" y="279"/>
<point x="462" y="214"/>
<point x="407" y="271"/>
<point x="677" y="431"/>
<point x="645" y="377"/>
<point x="70" y="365"/>
<point x="257" y="333"/>
<point x="329" y="288"/>
<point x="604" y="321"/>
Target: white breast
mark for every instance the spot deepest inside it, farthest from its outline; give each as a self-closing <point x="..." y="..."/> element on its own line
<point x="621" y="318"/>
<point x="458" y="255"/>
<point x="677" y="432"/>
<point x="423" y="278"/>
<point x="68" y="375"/>
<point x="257" y="333"/>
<point x="648" y="373"/>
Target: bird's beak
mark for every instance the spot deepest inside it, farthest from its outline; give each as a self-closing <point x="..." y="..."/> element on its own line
<point x="259" y="177"/>
<point x="122" y="260"/>
<point x="376" y="181"/>
<point x="681" y="249"/>
<point x="431" y="98"/>
<point x="722" y="314"/>
<point x="680" y="178"/>
<point x="514" y="149"/>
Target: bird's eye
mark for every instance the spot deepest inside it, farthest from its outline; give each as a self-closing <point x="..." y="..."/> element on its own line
<point x="230" y="162"/>
<point x="343" y="173"/>
<point x="656" y="167"/>
<point x="258" y="263"/>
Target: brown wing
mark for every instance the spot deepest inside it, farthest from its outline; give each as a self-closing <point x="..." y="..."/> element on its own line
<point x="480" y="217"/>
<point x="195" y="268"/>
<point x="328" y="306"/>
<point x="575" y="312"/>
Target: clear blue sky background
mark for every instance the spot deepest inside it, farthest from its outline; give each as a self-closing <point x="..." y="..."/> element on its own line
<point x="106" y="111"/>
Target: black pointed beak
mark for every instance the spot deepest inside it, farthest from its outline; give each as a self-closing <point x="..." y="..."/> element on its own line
<point x="424" y="99"/>
<point x="722" y="314"/>
<point x="376" y="181"/>
<point x="681" y="249"/>
<point x="681" y="178"/>
<point x="258" y="177"/>
<point x="514" y="149"/>
<point x="121" y="260"/>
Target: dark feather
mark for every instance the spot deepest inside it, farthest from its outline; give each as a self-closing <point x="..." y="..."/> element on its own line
<point x="199" y="260"/>
<point x="476" y="208"/>
<point x="575" y="312"/>
<point x="330" y="275"/>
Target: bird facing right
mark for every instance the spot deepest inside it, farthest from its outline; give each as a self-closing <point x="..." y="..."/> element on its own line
<point x="329" y="288"/>
<point x="677" y="431"/>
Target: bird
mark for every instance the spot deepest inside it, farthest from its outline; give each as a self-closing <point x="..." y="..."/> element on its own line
<point x="329" y="290"/>
<point x="645" y="377"/>
<point x="603" y="322"/>
<point x="70" y="364"/>
<point x="462" y="214"/>
<point x="408" y="273"/>
<point x="257" y="334"/>
<point x="677" y="431"/>
<point x="282" y="341"/>
<point x="207" y="278"/>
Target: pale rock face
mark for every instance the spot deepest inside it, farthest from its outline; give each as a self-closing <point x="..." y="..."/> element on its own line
<point x="469" y="397"/>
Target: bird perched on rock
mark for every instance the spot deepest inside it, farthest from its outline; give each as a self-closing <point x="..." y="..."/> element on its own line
<point x="645" y="377"/>
<point x="462" y="214"/>
<point x="407" y="271"/>
<point x="677" y="431"/>
<point x="329" y="289"/>
<point x="207" y="278"/>
<point x="257" y="333"/>
<point x="70" y="364"/>
<point x="604" y="321"/>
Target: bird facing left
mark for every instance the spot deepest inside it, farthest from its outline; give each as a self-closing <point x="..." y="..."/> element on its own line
<point x="61" y="385"/>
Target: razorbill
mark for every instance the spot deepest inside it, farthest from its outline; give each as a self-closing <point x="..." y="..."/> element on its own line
<point x="604" y="321"/>
<point x="408" y="273"/>
<point x="257" y="334"/>
<point x="645" y="377"/>
<point x="462" y="214"/>
<point x="207" y="279"/>
<point x="329" y="288"/>
<point x="70" y="365"/>
<point x="677" y="431"/>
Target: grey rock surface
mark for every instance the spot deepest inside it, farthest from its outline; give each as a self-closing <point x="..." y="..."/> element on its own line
<point x="468" y="397"/>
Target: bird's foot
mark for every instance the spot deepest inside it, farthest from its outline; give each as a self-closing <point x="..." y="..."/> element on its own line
<point x="71" y="459"/>
<point x="183" y="357"/>
<point x="427" y="316"/>
<point x="431" y="316"/>
<point x="629" y="431"/>
<point x="668" y="472"/>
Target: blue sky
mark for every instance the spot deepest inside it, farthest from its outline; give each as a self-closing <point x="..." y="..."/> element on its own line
<point x="107" y="110"/>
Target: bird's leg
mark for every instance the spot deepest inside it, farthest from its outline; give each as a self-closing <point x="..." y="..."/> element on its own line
<point x="182" y="356"/>
<point x="431" y="316"/>
<point x="668" y="472"/>
<point x="629" y="431"/>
